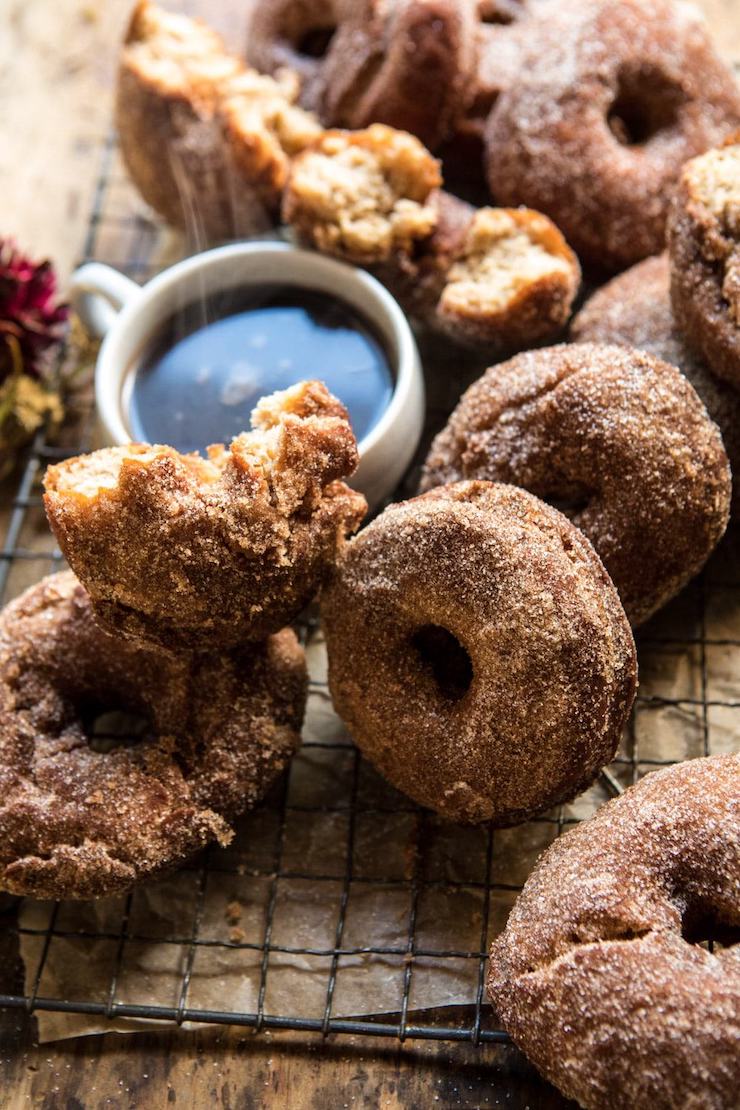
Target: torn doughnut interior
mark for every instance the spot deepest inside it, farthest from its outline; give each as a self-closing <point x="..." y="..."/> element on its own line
<point x="364" y="195"/>
<point x="508" y="253"/>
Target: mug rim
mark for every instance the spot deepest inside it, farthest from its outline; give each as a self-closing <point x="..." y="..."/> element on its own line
<point x="404" y="358"/>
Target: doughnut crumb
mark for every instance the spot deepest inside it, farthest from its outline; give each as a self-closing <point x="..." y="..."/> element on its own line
<point x="713" y="182"/>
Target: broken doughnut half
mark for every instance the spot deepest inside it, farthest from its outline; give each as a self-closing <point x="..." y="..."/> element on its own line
<point x="704" y="244"/>
<point x="496" y="278"/>
<point x="206" y="140"/>
<point x="202" y="553"/>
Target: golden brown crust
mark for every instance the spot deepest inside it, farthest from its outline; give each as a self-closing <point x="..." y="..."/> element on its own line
<point x="617" y="435"/>
<point x="612" y="97"/>
<point x="182" y="551"/>
<point x="704" y="244"/>
<point x="496" y="279"/>
<point x="409" y="64"/>
<point x="78" y="822"/>
<point x="538" y="708"/>
<point x="206" y="141"/>
<point x="634" y="309"/>
<point x="596" y="976"/>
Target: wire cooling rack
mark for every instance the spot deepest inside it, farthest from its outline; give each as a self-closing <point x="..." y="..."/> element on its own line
<point x="316" y="874"/>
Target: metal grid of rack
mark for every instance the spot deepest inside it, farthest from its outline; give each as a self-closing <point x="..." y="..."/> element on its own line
<point x="332" y="835"/>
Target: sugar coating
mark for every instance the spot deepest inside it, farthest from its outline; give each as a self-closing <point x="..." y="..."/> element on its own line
<point x="618" y="436"/>
<point x="634" y="309"/>
<point x="559" y="140"/>
<point x="80" y="823"/>
<point x="593" y="977"/>
<point x="704" y="245"/>
<point x="553" y="660"/>
<point x="409" y="64"/>
<point x="200" y="553"/>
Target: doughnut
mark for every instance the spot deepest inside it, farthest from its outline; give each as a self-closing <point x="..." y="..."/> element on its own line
<point x="617" y="438"/>
<point x="704" y="243"/>
<point x="478" y="652"/>
<point x="190" y="552"/>
<point x="206" y="142"/>
<point x="599" y="975"/>
<point x="634" y="309"/>
<point x="498" y="279"/>
<point x="292" y="34"/>
<point x="612" y="97"/>
<point x="501" y="35"/>
<point x="409" y="63"/>
<point x="79" y="821"/>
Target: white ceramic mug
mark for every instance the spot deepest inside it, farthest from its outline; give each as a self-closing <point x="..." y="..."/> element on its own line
<point x="128" y="315"/>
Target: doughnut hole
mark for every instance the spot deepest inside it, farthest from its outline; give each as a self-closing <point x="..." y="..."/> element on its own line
<point x="702" y="925"/>
<point x="315" y="41"/>
<point x="445" y="659"/>
<point x="112" y="722"/>
<point x="570" y="499"/>
<point x="645" y="103"/>
<point x="500" y="12"/>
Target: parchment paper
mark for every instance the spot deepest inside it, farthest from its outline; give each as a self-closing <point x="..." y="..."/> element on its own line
<point x="401" y="860"/>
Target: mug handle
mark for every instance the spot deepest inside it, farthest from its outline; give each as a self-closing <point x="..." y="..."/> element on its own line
<point x="98" y="293"/>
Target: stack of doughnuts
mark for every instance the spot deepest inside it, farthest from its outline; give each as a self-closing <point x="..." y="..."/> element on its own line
<point x="479" y="634"/>
<point x="584" y="111"/>
<point x="185" y="572"/>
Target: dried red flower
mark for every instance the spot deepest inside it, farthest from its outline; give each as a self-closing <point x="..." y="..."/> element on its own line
<point x="29" y="312"/>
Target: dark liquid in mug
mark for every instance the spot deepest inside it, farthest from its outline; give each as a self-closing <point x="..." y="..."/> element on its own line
<point x="211" y="363"/>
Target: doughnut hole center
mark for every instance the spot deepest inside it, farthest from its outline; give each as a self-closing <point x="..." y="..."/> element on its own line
<point x="645" y="103"/>
<point x="444" y="659"/>
<point x="570" y="499"/>
<point x="109" y="726"/>
<point x="702" y="926"/>
<point x="315" y="42"/>
<point x="499" y="12"/>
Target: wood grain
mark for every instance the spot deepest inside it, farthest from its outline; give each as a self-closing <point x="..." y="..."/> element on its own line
<point x="57" y="62"/>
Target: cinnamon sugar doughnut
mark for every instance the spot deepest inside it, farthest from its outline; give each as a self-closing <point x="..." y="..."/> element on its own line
<point x="618" y="436"/>
<point x="188" y="552"/>
<point x="599" y="976"/>
<point x="206" y="141"/>
<point x="612" y="97"/>
<point x="77" y="821"/>
<point x="478" y="652"/>
<point x="634" y="309"/>
<point x="704" y="241"/>
<point x="408" y="63"/>
<point x="499" y="279"/>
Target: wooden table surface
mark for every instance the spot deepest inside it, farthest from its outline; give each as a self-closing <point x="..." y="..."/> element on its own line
<point x="57" y="61"/>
